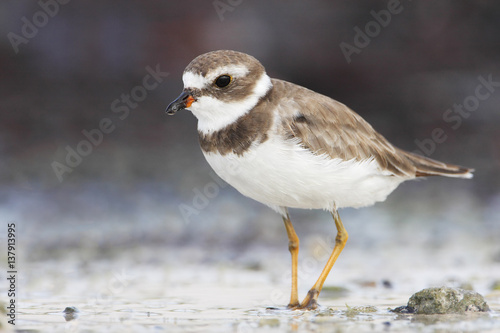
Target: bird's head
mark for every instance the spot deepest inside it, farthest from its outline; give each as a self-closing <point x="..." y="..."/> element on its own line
<point x="220" y="87"/>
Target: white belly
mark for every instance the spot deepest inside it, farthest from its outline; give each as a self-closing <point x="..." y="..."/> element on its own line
<point x="282" y="174"/>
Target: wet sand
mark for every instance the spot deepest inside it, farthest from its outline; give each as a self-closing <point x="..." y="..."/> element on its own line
<point x="125" y="295"/>
<point x="141" y="268"/>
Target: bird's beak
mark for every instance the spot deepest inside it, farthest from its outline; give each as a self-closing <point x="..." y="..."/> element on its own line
<point x="182" y="102"/>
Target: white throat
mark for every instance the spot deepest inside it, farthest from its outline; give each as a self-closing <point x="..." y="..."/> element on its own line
<point x="214" y="114"/>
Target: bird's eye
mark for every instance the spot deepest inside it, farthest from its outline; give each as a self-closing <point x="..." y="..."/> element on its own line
<point x="222" y="81"/>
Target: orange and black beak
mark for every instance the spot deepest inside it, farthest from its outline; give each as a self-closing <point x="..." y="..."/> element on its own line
<point x="184" y="101"/>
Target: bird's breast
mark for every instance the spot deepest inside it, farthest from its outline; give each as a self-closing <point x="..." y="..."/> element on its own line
<point x="281" y="173"/>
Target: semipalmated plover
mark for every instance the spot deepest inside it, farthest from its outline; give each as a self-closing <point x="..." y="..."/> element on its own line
<point x="287" y="146"/>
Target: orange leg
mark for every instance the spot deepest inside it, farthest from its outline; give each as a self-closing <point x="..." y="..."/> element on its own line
<point x="293" y="246"/>
<point x="311" y="300"/>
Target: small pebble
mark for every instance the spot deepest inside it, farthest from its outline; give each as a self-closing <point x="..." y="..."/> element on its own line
<point x="405" y="309"/>
<point x="70" y="313"/>
<point x="387" y="284"/>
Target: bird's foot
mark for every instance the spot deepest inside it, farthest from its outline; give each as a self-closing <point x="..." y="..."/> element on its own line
<point x="311" y="301"/>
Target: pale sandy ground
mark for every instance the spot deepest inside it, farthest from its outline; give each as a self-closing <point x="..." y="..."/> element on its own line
<point x="136" y="266"/>
<point x="127" y="295"/>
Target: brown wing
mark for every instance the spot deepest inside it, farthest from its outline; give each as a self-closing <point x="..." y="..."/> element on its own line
<point x="326" y="126"/>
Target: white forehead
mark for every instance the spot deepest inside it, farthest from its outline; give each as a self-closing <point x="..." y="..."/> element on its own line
<point x="193" y="80"/>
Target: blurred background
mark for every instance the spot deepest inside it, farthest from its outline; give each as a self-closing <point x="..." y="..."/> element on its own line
<point x="90" y="161"/>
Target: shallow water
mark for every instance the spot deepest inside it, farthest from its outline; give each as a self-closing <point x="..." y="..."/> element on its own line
<point x="129" y="263"/>
<point x="124" y="295"/>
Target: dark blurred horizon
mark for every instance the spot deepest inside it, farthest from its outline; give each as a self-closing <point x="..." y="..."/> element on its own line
<point x="72" y="74"/>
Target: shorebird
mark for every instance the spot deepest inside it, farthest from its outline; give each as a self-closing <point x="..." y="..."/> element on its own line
<point x="289" y="147"/>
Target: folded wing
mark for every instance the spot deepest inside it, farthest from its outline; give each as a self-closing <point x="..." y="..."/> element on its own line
<point x="326" y="126"/>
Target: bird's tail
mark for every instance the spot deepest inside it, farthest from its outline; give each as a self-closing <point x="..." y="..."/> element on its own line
<point x="428" y="167"/>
